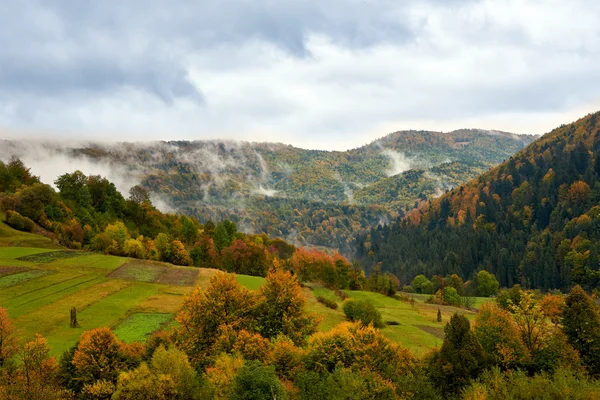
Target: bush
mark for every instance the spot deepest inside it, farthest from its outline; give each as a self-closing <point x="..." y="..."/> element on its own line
<point x="408" y="289"/>
<point x="327" y="303"/>
<point x="363" y="311"/>
<point x="19" y="222"/>
<point x="255" y="381"/>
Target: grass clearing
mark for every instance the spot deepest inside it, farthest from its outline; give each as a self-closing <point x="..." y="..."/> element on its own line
<point x="108" y="312"/>
<point x="139" y="326"/>
<point x="251" y="282"/>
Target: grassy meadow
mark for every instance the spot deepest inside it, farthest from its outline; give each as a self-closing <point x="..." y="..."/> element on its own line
<point x="40" y="282"/>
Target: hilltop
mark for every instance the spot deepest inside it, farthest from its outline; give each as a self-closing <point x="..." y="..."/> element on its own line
<point x="309" y="197"/>
<point x="532" y="220"/>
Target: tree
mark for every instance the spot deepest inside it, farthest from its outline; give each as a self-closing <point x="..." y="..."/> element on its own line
<point x="552" y="306"/>
<point x="531" y="322"/>
<point x="38" y="371"/>
<point x="581" y="324"/>
<point x="205" y="313"/>
<point x="8" y="338"/>
<point x="500" y="337"/>
<point x="422" y="285"/>
<point x="254" y="381"/>
<point x="169" y="376"/>
<point x="461" y="358"/>
<point x="98" y="356"/>
<point x="73" y="187"/>
<point x="281" y="308"/>
<point x="139" y="195"/>
<point x="363" y="311"/>
<point x="487" y="284"/>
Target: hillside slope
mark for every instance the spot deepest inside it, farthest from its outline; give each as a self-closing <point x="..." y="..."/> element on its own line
<point x="532" y="220"/>
<point x="311" y="197"/>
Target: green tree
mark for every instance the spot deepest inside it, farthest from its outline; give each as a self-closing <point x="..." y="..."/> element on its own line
<point x="460" y="360"/>
<point x="487" y="284"/>
<point x="363" y="311"/>
<point x="581" y="324"/>
<point x="254" y="381"/>
<point x="73" y="187"/>
<point x="422" y="285"/>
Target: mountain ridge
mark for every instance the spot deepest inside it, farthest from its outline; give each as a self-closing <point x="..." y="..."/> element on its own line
<point x="225" y="179"/>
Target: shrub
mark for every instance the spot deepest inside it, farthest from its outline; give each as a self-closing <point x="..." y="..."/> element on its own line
<point x="327" y="303"/>
<point x="408" y="289"/>
<point x="19" y="222"/>
<point x="363" y="311"/>
<point x="256" y="381"/>
<point x="341" y="295"/>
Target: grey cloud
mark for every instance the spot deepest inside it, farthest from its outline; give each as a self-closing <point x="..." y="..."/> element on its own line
<point x="314" y="73"/>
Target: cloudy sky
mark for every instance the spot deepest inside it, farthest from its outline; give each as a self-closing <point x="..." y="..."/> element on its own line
<point x="319" y="74"/>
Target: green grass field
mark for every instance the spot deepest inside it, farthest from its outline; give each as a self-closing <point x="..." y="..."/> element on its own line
<point x="38" y="287"/>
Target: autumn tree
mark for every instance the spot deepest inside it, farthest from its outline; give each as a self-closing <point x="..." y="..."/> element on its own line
<point x="499" y="337"/>
<point x="552" y="306"/>
<point x="205" y="312"/>
<point x="98" y="356"/>
<point x="8" y="338"/>
<point x="169" y="376"/>
<point x="531" y="322"/>
<point x="281" y="308"/>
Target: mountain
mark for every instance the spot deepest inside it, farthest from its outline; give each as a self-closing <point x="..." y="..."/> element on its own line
<point x="533" y="220"/>
<point x="311" y="197"/>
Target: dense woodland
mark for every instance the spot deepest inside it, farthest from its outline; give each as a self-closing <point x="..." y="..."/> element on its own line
<point x="89" y="213"/>
<point x="308" y="197"/>
<point x="534" y="220"/>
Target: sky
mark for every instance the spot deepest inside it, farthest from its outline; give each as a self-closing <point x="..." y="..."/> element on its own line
<point x="316" y="74"/>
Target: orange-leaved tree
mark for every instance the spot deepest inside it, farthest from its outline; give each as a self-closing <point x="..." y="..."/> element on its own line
<point x="98" y="356"/>
<point x="205" y="313"/>
<point x="8" y="338"/>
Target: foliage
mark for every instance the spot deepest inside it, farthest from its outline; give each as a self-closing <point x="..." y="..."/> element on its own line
<point x="8" y="338"/>
<point x="486" y="283"/>
<point x="327" y="302"/>
<point x="363" y="311"/>
<point x="206" y="312"/>
<point x="531" y="221"/>
<point x="562" y="384"/>
<point x="500" y="337"/>
<point x="460" y="359"/>
<point x="581" y="324"/>
<point x="254" y="381"/>
<point x="281" y="308"/>
<point x="98" y="357"/>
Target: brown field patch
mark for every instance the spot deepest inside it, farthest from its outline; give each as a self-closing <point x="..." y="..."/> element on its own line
<point x="432" y="330"/>
<point x="161" y="303"/>
<point x="139" y="271"/>
<point x="179" y="277"/>
<point x="4" y="271"/>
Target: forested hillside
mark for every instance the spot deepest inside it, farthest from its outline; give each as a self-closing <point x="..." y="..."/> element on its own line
<point x="533" y="220"/>
<point x="310" y="197"/>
